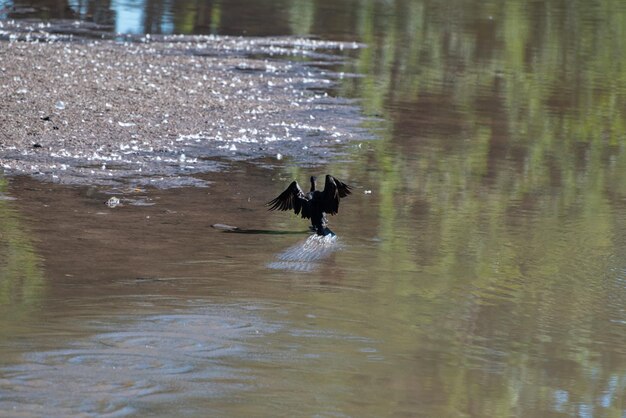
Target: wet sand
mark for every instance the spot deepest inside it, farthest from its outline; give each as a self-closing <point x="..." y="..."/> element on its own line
<point x="157" y="110"/>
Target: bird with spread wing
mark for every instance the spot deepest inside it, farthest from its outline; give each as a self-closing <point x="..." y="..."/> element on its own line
<point x="314" y="204"/>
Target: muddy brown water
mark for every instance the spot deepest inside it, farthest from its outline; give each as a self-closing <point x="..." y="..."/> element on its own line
<point x="479" y="269"/>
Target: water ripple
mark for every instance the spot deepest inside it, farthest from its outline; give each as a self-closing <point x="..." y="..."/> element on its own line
<point x="112" y="372"/>
<point x="306" y="256"/>
<point x="196" y="356"/>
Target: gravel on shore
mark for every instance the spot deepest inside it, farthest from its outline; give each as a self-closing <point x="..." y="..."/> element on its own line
<point x="156" y="110"/>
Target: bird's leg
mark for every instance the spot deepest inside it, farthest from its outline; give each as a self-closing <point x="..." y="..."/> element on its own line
<point x="323" y="228"/>
<point x="319" y="225"/>
<point x="323" y="231"/>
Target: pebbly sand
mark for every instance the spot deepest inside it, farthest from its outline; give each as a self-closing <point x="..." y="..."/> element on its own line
<point x="156" y="110"/>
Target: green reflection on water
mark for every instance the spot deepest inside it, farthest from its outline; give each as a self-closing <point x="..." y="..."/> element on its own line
<point x="21" y="277"/>
<point x="500" y="198"/>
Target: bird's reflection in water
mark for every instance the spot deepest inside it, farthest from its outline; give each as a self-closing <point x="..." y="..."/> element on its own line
<point x="306" y="255"/>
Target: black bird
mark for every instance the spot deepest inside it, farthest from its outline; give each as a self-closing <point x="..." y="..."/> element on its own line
<point x="314" y="204"/>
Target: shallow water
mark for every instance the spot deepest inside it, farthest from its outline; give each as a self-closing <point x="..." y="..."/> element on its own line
<point x="479" y="268"/>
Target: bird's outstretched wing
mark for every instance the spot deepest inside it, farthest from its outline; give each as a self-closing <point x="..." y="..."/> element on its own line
<point x="293" y="198"/>
<point x="333" y="190"/>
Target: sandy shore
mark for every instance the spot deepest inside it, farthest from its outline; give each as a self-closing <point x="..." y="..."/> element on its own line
<point x="158" y="110"/>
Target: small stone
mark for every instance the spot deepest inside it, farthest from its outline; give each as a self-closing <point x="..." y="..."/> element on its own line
<point x="113" y="202"/>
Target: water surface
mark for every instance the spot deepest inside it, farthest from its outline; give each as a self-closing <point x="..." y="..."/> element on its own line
<point x="480" y="267"/>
